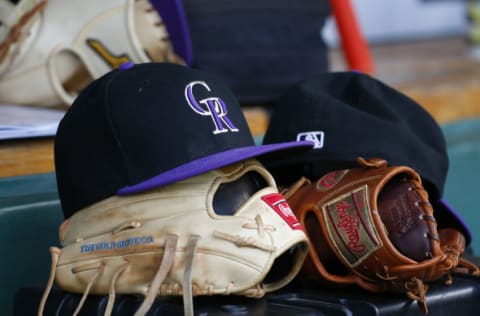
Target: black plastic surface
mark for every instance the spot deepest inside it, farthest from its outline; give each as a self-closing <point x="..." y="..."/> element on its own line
<point x="461" y="298"/>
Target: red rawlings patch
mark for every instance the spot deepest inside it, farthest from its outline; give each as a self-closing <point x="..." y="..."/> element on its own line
<point x="278" y="203"/>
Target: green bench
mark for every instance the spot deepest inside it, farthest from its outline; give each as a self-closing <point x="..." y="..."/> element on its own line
<point x="30" y="214"/>
<point x="462" y="185"/>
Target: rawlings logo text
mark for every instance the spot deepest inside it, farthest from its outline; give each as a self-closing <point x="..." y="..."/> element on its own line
<point x="285" y="209"/>
<point x="350" y="225"/>
<point x="109" y="245"/>
<point x="278" y="203"/>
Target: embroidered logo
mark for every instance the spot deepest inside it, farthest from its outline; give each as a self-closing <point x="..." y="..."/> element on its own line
<point x="278" y="203"/>
<point x="114" y="61"/>
<point x="330" y="179"/>
<point x="315" y="137"/>
<point x="214" y="107"/>
<point x="120" y="244"/>
<point x="350" y="226"/>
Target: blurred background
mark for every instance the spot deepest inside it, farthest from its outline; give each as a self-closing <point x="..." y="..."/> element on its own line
<point x="427" y="49"/>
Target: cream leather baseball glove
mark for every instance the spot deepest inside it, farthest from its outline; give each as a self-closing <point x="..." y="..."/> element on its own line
<point x="50" y="49"/>
<point x="224" y="232"/>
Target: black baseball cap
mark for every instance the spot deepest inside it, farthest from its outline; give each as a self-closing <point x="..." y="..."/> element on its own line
<point x="350" y="114"/>
<point x="144" y="126"/>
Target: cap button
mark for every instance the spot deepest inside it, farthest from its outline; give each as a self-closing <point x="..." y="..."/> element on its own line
<point x="126" y="65"/>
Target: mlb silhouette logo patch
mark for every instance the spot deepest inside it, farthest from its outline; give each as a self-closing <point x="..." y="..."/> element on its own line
<point x="316" y="137"/>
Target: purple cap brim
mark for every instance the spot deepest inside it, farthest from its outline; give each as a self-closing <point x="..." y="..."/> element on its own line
<point x="173" y="16"/>
<point x="451" y="214"/>
<point x="208" y="163"/>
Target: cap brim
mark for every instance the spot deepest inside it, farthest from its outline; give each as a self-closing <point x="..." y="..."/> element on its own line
<point x="173" y="16"/>
<point x="209" y="163"/>
<point x="445" y="213"/>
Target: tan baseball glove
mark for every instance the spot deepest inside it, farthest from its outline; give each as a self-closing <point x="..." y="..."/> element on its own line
<point x="374" y="226"/>
<point x="50" y="49"/>
<point x="227" y="231"/>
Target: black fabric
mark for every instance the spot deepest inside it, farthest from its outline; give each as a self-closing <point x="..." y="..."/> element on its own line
<point x="359" y="116"/>
<point x="258" y="47"/>
<point x="132" y="124"/>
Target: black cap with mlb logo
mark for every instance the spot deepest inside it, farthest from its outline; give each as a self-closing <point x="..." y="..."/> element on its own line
<point x="145" y="126"/>
<point x="350" y="114"/>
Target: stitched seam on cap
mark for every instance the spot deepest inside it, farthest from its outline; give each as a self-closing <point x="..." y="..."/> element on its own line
<point x="113" y="129"/>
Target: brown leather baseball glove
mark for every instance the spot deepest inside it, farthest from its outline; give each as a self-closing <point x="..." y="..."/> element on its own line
<point x="374" y="226"/>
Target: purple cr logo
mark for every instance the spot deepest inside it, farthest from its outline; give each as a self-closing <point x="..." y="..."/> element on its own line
<point x="213" y="107"/>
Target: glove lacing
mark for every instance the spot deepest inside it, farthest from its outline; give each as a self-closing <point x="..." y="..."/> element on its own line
<point x="165" y="266"/>
<point x="288" y="192"/>
<point x="417" y="290"/>
<point x="242" y="241"/>
<point x="16" y="30"/>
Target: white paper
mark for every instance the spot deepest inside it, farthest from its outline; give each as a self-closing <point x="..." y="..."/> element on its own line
<point x="17" y="122"/>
